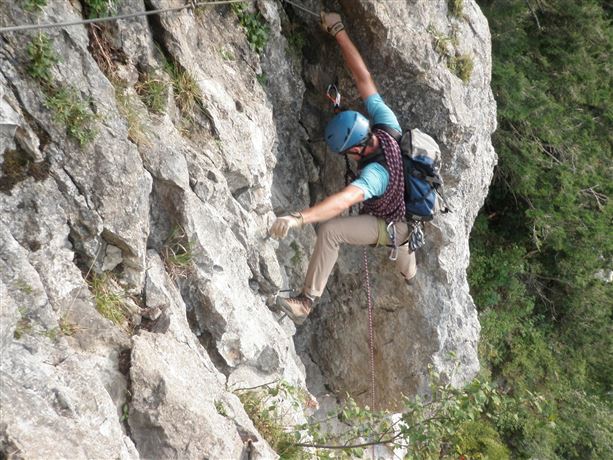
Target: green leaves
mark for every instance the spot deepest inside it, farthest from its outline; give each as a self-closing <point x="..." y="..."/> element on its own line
<point x="42" y="58"/>
<point x="100" y="8"/>
<point x="545" y="229"/>
<point x="254" y="25"/>
<point x="67" y="106"/>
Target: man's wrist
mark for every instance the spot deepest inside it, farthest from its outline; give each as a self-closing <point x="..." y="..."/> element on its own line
<point x="337" y="29"/>
<point x="298" y="215"/>
<point x="341" y="35"/>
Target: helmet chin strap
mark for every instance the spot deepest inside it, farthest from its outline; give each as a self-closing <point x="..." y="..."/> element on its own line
<point x="366" y="142"/>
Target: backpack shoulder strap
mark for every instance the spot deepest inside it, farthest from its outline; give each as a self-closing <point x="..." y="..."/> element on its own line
<point x="404" y="140"/>
<point x="397" y="135"/>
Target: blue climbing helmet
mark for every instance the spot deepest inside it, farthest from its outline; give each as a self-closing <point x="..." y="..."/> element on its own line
<point x="347" y="129"/>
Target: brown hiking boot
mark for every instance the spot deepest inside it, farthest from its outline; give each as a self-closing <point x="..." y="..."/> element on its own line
<point x="297" y="307"/>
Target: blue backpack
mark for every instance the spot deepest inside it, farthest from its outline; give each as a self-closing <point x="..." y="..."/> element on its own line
<point x="423" y="184"/>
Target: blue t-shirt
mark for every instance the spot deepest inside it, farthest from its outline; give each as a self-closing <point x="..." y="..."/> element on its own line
<point x="374" y="178"/>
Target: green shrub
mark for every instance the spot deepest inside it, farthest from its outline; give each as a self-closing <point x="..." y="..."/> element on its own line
<point x="42" y="58"/>
<point x="100" y="8"/>
<point x="227" y="55"/>
<point x="266" y="416"/>
<point x="461" y="65"/>
<point x="262" y="79"/>
<point x="544" y="232"/>
<point x="297" y="257"/>
<point x="254" y="26"/>
<point x="477" y="439"/>
<point x="34" y="6"/>
<point x="73" y="112"/>
<point x="296" y="41"/>
<point x="450" y="423"/>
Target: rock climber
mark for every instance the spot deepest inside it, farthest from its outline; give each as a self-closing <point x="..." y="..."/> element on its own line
<point x="380" y="188"/>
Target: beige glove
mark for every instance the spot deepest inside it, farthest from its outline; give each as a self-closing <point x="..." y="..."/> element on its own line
<point x="281" y="226"/>
<point x="331" y="22"/>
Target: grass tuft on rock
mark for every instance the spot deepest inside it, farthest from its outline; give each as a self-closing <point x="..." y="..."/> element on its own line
<point x="17" y="166"/>
<point x="178" y="253"/>
<point x="456" y="8"/>
<point x="137" y="130"/>
<point x="153" y="92"/>
<point x="67" y="106"/>
<point x="109" y="302"/>
<point x="461" y="66"/>
<point x="67" y="327"/>
<point x="186" y="91"/>
<point x="73" y="112"/>
<point x="24" y="325"/>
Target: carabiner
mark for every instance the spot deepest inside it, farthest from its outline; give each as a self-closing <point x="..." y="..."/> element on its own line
<point x="334" y="95"/>
<point x="391" y="232"/>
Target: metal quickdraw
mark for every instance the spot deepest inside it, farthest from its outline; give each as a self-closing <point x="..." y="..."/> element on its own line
<point x="334" y="95"/>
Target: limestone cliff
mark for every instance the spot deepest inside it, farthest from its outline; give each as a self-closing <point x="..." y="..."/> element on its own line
<point x="142" y="162"/>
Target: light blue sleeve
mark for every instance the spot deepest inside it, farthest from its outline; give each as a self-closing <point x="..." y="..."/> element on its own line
<point x="379" y="113"/>
<point x="373" y="180"/>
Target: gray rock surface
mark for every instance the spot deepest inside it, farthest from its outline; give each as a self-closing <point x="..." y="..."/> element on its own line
<point x="178" y="396"/>
<point x="165" y="213"/>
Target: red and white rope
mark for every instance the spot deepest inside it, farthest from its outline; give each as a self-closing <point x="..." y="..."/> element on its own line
<point x="371" y="336"/>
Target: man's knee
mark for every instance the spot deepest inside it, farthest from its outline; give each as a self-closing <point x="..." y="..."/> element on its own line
<point x="327" y="230"/>
<point x="410" y="273"/>
<point x="407" y="264"/>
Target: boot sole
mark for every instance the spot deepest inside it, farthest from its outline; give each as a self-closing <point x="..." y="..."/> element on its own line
<point x="287" y="310"/>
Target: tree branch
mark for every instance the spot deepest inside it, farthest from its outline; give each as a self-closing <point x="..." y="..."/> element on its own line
<point x="351" y="446"/>
<point x="538" y="24"/>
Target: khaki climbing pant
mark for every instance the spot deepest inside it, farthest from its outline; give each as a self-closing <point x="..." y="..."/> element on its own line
<point x="355" y="230"/>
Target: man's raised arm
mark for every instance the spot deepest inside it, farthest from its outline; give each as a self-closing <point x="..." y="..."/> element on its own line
<point x="331" y="22"/>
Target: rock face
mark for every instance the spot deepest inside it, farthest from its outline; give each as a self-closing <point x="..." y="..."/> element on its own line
<point x="137" y="281"/>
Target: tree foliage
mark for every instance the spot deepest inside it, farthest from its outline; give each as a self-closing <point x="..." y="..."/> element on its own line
<point x="543" y="240"/>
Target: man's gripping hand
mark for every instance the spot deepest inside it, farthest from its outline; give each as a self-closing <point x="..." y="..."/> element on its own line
<point x="281" y="226"/>
<point x="331" y="22"/>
